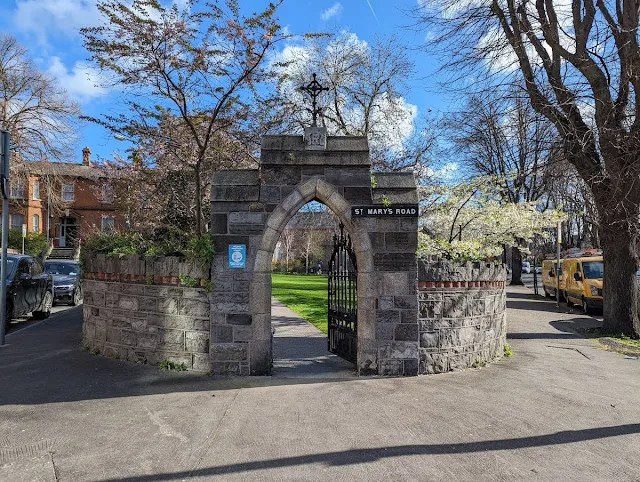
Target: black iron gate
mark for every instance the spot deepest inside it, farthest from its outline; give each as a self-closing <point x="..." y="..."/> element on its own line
<point x="343" y="298"/>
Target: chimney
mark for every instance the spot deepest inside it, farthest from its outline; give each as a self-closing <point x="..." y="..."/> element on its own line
<point x="86" y="156"/>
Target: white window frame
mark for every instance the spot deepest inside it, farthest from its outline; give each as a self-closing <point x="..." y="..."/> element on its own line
<point x="68" y="188"/>
<point x="35" y="223"/>
<point x="17" y="190"/>
<point x="12" y="225"/>
<point x="112" y="222"/>
<point x="36" y="190"/>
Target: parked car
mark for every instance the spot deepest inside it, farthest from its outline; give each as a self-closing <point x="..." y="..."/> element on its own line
<point x="539" y="269"/>
<point x="66" y="281"/>
<point x="526" y="267"/>
<point x="29" y="288"/>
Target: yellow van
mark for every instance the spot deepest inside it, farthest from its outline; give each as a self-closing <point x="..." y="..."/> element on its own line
<point x="549" y="281"/>
<point x="583" y="281"/>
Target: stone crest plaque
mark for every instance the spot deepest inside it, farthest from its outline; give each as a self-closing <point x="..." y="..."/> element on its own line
<point x="315" y="138"/>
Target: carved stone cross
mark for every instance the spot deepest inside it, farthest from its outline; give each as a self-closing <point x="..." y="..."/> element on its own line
<point x="314" y="88"/>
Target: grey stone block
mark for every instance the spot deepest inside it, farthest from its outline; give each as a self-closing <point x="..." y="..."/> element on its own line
<point x="167" y="336"/>
<point x="353" y="176"/>
<point x="196" y="342"/>
<point x="401" y="242"/>
<point x="282" y="143"/>
<point x="411" y="368"/>
<point x="406" y="332"/>
<point x="238" y="319"/>
<point x="357" y="195"/>
<point x="399" y="350"/>
<point x="169" y="306"/>
<point x="394" y="262"/>
<point x="270" y="194"/>
<point x="408" y="316"/>
<point x="386" y="303"/>
<point x="235" y="193"/>
<point x="405" y="302"/>
<point x="395" y="180"/>
<point x="194" y="308"/>
<point x="219" y="223"/>
<point x="201" y="363"/>
<point x="221" y="334"/>
<point x="221" y="242"/>
<point x="387" y="316"/>
<point x="391" y="368"/>
<point x="429" y="340"/>
<point x="229" y="351"/>
<point x="235" y="178"/>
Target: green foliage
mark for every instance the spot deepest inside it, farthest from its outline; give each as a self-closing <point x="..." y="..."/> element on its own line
<point x="374" y="181"/>
<point x="507" y="350"/>
<point x="478" y="363"/>
<point x="34" y="243"/>
<point x="386" y="202"/>
<point x="208" y="286"/>
<point x="306" y="295"/>
<point x="188" y="281"/>
<point x="169" y="365"/>
<point x="163" y="242"/>
<point x="201" y="248"/>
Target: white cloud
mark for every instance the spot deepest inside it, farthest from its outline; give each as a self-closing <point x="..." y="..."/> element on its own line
<point x="332" y="11"/>
<point x="81" y="81"/>
<point x="44" y="18"/>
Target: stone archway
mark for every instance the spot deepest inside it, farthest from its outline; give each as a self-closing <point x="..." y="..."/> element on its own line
<point x="249" y="210"/>
<point x="260" y="292"/>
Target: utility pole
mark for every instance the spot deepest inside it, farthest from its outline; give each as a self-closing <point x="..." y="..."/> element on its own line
<point x="4" y="185"/>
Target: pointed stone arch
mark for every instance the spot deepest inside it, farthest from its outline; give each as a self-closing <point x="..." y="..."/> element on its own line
<point x="251" y="208"/>
<point x="260" y="292"/>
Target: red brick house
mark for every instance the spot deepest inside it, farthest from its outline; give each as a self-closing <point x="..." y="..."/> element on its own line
<point x="79" y="200"/>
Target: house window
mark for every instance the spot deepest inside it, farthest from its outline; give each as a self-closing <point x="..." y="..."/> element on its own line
<point x="108" y="225"/>
<point x="17" y="190"/>
<point x="68" y="193"/>
<point x="107" y="193"/>
<point x="36" y="223"/>
<point x="17" y="220"/>
<point x="36" y="190"/>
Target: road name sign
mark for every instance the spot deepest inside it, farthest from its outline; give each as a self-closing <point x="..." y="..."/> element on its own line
<point x="400" y="211"/>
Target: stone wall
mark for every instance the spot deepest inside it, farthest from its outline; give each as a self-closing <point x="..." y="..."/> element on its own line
<point x="253" y="207"/>
<point x="136" y="308"/>
<point x="462" y="315"/>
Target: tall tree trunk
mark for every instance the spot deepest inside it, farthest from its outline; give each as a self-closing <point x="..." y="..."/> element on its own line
<point x="620" y="284"/>
<point x="198" y="193"/>
<point x="516" y="266"/>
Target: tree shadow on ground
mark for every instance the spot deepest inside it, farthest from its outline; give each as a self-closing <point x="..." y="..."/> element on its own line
<point x="361" y="456"/>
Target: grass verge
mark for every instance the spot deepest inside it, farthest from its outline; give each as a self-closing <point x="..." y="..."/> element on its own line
<point x="620" y="344"/>
<point x="304" y="294"/>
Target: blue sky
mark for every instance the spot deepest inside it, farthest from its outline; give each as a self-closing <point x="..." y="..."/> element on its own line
<point x="49" y="28"/>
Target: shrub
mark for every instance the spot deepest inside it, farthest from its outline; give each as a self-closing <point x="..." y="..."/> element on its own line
<point x="164" y="242"/>
<point x="34" y="243"/>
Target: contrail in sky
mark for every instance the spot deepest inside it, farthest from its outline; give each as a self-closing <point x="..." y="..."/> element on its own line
<point x="373" y="12"/>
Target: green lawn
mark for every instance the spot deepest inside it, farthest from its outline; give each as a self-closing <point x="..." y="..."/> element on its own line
<point x="304" y="294"/>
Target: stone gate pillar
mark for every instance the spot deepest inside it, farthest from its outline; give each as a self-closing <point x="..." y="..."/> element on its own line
<point x="249" y="210"/>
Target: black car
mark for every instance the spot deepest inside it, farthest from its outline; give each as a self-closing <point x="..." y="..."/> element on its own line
<point x="66" y="281"/>
<point x="29" y="288"/>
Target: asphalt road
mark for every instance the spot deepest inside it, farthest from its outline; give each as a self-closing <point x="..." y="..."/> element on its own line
<point x="560" y="409"/>
<point x="23" y="323"/>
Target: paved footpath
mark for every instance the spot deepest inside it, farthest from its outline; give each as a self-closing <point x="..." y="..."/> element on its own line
<point x="300" y="349"/>
<point x="560" y="409"/>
